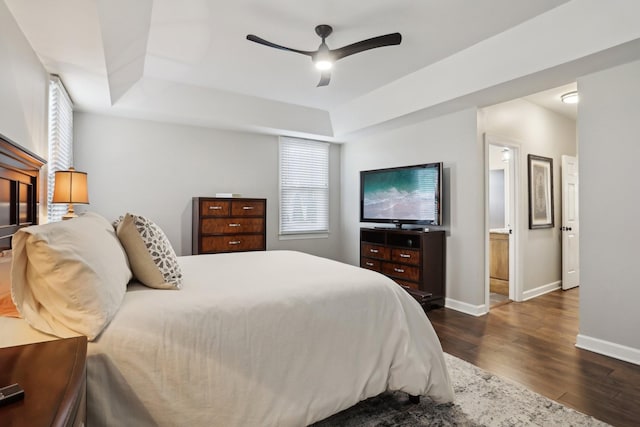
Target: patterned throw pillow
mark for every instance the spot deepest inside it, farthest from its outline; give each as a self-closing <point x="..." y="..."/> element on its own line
<point x="151" y="256"/>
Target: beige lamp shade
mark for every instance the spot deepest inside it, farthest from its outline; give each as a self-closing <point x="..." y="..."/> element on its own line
<point x="70" y="187"/>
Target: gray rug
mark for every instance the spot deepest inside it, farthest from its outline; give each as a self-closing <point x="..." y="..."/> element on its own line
<point x="482" y="399"/>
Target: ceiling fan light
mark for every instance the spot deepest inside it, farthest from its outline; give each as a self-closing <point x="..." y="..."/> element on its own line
<point x="323" y="65"/>
<point x="570" y="97"/>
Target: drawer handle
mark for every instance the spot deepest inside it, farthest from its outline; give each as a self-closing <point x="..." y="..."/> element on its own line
<point x="248" y="208"/>
<point x="405" y="256"/>
<point x="370" y="264"/>
<point x="234" y="242"/>
<point x="234" y="225"/>
<point x="398" y="270"/>
<point x="374" y="251"/>
<point x="215" y="208"/>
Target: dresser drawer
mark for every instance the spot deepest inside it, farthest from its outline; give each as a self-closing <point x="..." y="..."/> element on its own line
<point x="371" y="264"/>
<point x="231" y="225"/>
<point x="407" y="256"/>
<point x="401" y="271"/>
<point x="406" y="284"/>
<point x="233" y="243"/>
<point x="375" y="251"/>
<point x="215" y="208"/>
<point x="247" y="208"/>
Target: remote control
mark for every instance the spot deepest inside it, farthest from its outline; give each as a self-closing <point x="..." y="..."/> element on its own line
<point x="11" y="393"/>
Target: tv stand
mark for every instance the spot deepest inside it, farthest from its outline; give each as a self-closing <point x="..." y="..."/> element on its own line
<point x="403" y="226"/>
<point x="413" y="259"/>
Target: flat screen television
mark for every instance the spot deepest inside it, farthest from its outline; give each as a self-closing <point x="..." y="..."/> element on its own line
<point x="402" y="195"/>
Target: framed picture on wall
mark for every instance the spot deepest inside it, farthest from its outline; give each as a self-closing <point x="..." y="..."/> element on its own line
<point x="540" y="192"/>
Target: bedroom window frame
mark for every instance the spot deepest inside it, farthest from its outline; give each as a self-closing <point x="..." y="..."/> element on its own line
<point x="304" y="172"/>
<point x="60" y="142"/>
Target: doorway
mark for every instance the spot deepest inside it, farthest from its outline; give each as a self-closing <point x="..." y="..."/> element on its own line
<point x="502" y="184"/>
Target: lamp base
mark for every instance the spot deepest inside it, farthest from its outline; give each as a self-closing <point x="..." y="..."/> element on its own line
<point x="70" y="213"/>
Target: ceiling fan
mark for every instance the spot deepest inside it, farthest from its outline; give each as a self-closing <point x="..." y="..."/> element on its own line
<point x="323" y="58"/>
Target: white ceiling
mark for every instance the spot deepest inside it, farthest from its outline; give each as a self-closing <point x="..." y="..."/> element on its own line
<point x="188" y="61"/>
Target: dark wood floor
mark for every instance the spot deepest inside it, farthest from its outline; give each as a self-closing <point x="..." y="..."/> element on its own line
<point x="533" y="343"/>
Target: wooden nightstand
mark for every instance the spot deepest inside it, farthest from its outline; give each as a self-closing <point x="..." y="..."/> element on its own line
<point x="52" y="375"/>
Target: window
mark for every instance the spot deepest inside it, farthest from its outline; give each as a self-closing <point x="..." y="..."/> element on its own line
<point x="304" y="186"/>
<point x="60" y="141"/>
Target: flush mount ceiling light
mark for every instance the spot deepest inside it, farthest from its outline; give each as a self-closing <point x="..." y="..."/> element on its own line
<point x="506" y="155"/>
<point x="570" y="97"/>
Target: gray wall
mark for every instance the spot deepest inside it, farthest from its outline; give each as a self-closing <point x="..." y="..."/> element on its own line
<point x="23" y="95"/>
<point x="23" y="88"/>
<point x="544" y="133"/>
<point x="453" y="140"/>
<point x="154" y="169"/>
<point x="609" y="138"/>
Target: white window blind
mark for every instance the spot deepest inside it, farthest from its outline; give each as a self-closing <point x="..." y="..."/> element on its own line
<point x="60" y="142"/>
<point x="304" y="186"/>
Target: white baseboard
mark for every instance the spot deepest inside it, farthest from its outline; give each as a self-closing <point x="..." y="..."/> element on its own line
<point x="617" y="351"/>
<point x="541" y="290"/>
<point x="474" y="310"/>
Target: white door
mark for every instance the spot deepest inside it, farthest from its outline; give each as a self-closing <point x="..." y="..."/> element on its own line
<point x="512" y="185"/>
<point x="570" y="225"/>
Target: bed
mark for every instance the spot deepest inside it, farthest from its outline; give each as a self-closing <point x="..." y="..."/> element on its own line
<point x="275" y="338"/>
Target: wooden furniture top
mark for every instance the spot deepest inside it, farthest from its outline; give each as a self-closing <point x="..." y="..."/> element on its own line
<point x="52" y="375"/>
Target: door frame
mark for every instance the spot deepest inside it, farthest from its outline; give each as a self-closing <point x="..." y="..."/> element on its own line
<point x="515" y="201"/>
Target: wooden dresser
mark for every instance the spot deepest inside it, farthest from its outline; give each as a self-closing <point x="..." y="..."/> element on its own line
<point x="228" y="225"/>
<point x="52" y="375"/>
<point x="413" y="259"/>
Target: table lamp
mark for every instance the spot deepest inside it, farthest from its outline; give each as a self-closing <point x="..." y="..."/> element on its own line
<point x="70" y="187"/>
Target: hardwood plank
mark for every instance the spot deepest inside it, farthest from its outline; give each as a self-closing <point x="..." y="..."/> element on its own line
<point x="533" y="343"/>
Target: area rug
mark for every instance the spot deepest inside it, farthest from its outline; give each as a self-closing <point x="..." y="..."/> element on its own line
<point x="482" y="399"/>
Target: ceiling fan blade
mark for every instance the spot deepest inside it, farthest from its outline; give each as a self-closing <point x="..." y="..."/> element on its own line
<point x="259" y="40"/>
<point x="325" y="78"/>
<point x="372" y="43"/>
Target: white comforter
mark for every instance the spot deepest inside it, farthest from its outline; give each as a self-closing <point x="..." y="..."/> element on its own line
<point x="274" y="338"/>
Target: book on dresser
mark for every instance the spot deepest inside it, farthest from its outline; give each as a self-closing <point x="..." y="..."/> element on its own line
<point x="413" y="259"/>
<point x="228" y="225"/>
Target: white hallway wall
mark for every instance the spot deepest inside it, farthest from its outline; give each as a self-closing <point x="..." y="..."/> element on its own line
<point x="154" y="169"/>
<point x="608" y="134"/>
<point x="544" y="133"/>
<point x="453" y="140"/>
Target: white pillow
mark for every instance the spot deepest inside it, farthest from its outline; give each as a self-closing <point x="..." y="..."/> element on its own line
<point x="69" y="277"/>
